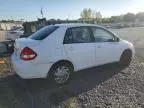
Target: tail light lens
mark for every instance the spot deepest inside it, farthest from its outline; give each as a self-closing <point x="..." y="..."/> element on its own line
<point x="28" y="54"/>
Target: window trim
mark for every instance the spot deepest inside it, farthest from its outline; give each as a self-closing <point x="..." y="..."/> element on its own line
<point x="44" y="37"/>
<point x="115" y="37"/>
<point x="87" y="27"/>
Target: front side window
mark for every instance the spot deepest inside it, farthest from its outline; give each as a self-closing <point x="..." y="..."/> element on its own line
<point x="102" y="35"/>
<point x="77" y="35"/>
<point x="43" y="33"/>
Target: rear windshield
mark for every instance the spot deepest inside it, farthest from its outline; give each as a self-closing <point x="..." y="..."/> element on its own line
<point x="43" y="33"/>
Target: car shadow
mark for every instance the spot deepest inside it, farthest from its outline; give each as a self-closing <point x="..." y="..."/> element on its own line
<point x="13" y="93"/>
<point x="81" y="82"/>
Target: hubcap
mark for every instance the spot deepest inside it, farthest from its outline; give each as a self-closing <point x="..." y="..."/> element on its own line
<point x="61" y="74"/>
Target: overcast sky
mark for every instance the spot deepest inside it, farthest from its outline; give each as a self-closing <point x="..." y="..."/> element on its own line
<point x="63" y="9"/>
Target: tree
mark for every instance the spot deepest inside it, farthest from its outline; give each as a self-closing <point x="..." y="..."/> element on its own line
<point x="116" y="19"/>
<point x="140" y="16"/>
<point x="86" y="14"/>
<point x="129" y="17"/>
<point x="98" y="15"/>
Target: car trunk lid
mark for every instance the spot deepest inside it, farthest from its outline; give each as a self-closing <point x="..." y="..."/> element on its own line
<point x="21" y="43"/>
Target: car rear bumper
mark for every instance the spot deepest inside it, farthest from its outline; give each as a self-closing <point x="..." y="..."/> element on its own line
<point x="29" y="70"/>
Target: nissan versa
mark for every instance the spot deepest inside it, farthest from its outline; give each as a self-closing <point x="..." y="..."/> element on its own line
<point x="61" y="49"/>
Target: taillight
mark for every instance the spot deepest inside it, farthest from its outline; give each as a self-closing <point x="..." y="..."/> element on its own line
<point x="28" y="54"/>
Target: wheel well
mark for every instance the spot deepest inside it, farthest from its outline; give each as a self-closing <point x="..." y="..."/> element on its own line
<point x="126" y="51"/>
<point x="58" y="62"/>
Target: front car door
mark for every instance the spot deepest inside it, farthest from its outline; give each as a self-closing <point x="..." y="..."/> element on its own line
<point x="79" y="47"/>
<point x="107" y="46"/>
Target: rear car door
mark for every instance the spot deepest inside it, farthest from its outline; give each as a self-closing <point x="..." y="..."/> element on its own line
<point x="79" y="47"/>
<point x="107" y="46"/>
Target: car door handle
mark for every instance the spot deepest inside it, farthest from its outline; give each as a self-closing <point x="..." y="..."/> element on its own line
<point x="99" y="47"/>
<point x="112" y="43"/>
<point x="71" y="48"/>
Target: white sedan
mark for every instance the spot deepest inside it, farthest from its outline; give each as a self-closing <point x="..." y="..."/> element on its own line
<point x="61" y="49"/>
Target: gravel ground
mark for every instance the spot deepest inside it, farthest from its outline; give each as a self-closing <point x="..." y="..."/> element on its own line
<point x="122" y="90"/>
<point x="105" y="86"/>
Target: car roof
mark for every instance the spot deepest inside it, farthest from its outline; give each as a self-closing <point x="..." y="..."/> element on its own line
<point x="75" y="25"/>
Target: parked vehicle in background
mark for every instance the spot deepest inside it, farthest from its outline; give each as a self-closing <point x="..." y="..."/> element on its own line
<point x="61" y="49"/>
<point x="18" y="31"/>
<point x="108" y="26"/>
<point x="15" y="33"/>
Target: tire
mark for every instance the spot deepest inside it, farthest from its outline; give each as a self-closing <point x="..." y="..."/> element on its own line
<point x="125" y="58"/>
<point x="61" y="73"/>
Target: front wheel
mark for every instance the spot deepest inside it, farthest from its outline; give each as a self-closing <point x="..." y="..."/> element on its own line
<point x="61" y="73"/>
<point x="126" y="58"/>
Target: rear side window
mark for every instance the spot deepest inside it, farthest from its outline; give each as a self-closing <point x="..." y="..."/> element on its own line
<point x="77" y="35"/>
<point x="43" y="33"/>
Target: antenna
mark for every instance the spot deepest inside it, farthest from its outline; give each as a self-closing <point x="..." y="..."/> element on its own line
<point x="41" y="12"/>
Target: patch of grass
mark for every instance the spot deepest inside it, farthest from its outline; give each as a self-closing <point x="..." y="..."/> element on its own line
<point x="5" y="66"/>
<point x="71" y="102"/>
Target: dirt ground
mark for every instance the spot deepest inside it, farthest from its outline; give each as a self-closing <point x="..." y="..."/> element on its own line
<point x="134" y="35"/>
<point x="2" y="35"/>
<point x="105" y="86"/>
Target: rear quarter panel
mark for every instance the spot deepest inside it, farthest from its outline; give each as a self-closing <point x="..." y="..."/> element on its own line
<point x="51" y="49"/>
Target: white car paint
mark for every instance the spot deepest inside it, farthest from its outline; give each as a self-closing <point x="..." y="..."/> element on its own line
<point x="82" y="55"/>
<point x="51" y="50"/>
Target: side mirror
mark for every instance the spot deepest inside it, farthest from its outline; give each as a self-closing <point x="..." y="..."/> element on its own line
<point x="110" y="40"/>
<point x="118" y="39"/>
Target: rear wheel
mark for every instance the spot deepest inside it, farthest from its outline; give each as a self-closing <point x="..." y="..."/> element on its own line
<point x="126" y="58"/>
<point x="61" y="73"/>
